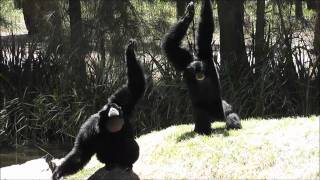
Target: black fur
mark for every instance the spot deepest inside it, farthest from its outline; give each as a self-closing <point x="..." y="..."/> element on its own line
<point x="205" y="94"/>
<point x="114" y="149"/>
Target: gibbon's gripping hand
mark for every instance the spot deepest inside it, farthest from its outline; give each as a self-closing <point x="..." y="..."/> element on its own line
<point x="190" y="10"/>
<point x="56" y="176"/>
<point x="132" y="45"/>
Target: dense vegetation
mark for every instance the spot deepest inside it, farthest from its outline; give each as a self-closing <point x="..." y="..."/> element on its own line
<point x="72" y="59"/>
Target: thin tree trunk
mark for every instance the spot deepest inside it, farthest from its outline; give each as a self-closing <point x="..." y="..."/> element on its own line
<point x="311" y="4"/>
<point x="31" y="15"/>
<point x="260" y="61"/>
<point x="77" y="43"/>
<point x="180" y="6"/>
<point x="54" y="25"/>
<point x="290" y="68"/>
<point x="290" y="75"/>
<point x="232" y="46"/>
<point x="298" y="9"/>
<point x="317" y="32"/>
<point x="317" y="40"/>
<point x="75" y="22"/>
<point x="259" y="36"/>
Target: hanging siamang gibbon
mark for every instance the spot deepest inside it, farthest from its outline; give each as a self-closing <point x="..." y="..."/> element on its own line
<point x="199" y="72"/>
<point x="108" y="133"/>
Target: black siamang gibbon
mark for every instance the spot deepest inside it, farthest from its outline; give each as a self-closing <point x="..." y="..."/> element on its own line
<point x="199" y="72"/>
<point x="108" y="133"/>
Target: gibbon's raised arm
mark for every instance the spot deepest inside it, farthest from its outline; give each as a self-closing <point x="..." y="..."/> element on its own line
<point x="179" y="57"/>
<point x="136" y="79"/>
<point x="128" y="96"/>
<point x="205" y="32"/>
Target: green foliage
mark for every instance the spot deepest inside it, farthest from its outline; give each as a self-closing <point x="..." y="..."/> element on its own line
<point x="46" y="118"/>
<point x="10" y="18"/>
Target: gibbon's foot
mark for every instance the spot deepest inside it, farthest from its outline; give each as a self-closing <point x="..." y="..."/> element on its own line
<point x="233" y="121"/>
<point x="203" y="131"/>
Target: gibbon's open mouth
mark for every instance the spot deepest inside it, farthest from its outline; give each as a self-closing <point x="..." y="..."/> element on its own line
<point x="200" y="76"/>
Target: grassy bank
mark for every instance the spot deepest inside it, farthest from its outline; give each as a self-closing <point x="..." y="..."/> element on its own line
<point x="285" y="149"/>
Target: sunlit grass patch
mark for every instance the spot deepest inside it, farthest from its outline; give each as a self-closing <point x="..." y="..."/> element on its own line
<point x="262" y="149"/>
<point x="287" y="148"/>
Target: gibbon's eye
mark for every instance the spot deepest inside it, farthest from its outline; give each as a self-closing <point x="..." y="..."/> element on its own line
<point x="200" y="76"/>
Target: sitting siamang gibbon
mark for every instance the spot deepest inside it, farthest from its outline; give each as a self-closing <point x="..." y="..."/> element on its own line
<point x="108" y="133"/>
<point x="199" y="72"/>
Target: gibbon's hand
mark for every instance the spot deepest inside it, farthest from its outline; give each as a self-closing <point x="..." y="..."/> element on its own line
<point x="190" y="10"/>
<point x="132" y="45"/>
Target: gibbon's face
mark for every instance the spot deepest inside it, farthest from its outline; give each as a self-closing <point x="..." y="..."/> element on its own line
<point x="197" y="69"/>
<point x="114" y="121"/>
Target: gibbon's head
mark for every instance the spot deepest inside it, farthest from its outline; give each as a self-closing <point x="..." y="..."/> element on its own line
<point x="112" y="117"/>
<point x="197" y="69"/>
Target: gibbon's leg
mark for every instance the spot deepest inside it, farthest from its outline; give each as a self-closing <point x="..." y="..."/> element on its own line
<point x="202" y="121"/>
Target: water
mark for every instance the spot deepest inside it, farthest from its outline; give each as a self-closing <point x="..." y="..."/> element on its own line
<point x="21" y="154"/>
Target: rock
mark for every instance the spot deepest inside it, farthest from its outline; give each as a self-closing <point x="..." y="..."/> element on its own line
<point x="117" y="173"/>
<point x="34" y="169"/>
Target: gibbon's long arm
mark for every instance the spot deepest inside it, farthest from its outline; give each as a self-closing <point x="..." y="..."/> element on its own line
<point x="205" y="32"/>
<point x="136" y="79"/>
<point x="179" y="57"/>
<point x="128" y="96"/>
<point x="76" y="159"/>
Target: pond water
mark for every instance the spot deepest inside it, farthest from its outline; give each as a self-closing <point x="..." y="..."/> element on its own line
<point x="21" y="154"/>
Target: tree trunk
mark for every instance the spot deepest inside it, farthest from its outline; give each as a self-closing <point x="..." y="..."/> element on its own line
<point x="298" y="9"/>
<point x="317" y="40"/>
<point x="77" y="44"/>
<point x="106" y="11"/>
<point x="311" y="4"/>
<point x="317" y="34"/>
<point x="31" y="15"/>
<point x="232" y="46"/>
<point x="180" y="6"/>
<point x="259" y="36"/>
<point x="286" y="35"/>
<point x="289" y="76"/>
<point x="17" y="4"/>
<point x="315" y="93"/>
<point x="75" y="22"/>
<point x="35" y="14"/>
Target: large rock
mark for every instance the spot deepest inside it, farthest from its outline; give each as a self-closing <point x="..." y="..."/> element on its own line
<point x="117" y="173"/>
<point x="34" y="169"/>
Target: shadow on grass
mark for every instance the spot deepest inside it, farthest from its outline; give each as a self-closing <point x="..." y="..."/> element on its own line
<point x="192" y="134"/>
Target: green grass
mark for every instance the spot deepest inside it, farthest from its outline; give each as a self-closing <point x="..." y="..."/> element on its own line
<point x="281" y="149"/>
